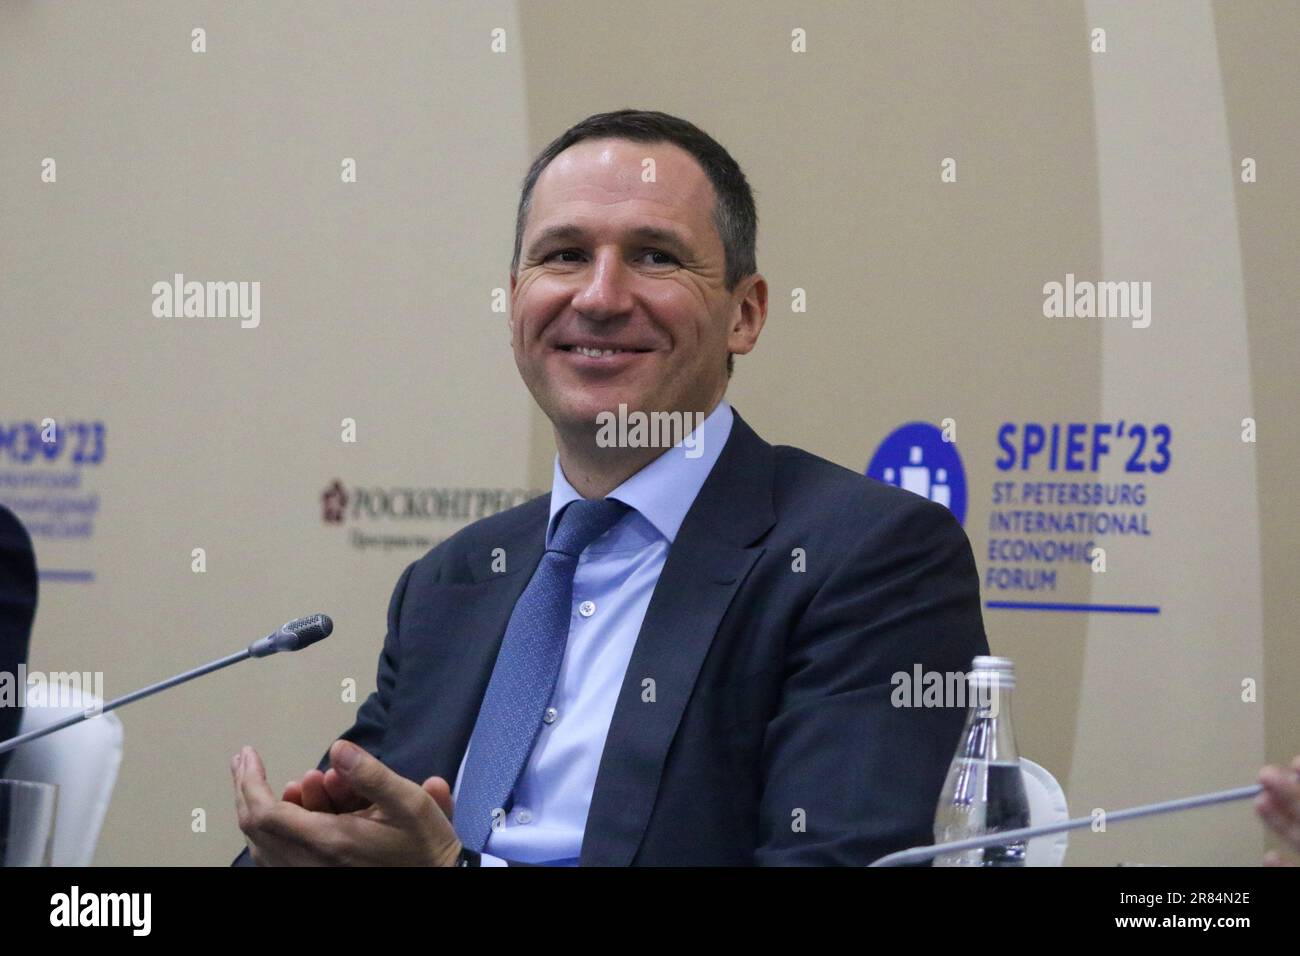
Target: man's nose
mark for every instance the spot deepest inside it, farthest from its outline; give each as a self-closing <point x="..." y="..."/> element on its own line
<point x="605" y="288"/>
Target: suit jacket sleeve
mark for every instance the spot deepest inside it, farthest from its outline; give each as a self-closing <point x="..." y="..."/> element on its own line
<point x="372" y="716"/>
<point x="848" y="777"/>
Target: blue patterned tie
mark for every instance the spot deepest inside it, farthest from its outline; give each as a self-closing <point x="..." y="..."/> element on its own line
<point x="527" y="667"/>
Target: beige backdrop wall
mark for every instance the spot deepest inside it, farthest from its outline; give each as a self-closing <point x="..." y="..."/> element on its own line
<point x="379" y="305"/>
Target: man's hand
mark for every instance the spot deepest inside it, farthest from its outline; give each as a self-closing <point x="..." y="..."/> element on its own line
<point x="1279" y="807"/>
<point x="359" y="813"/>
<point x="326" y="792"/>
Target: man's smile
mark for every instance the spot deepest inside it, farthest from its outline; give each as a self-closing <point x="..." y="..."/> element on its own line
<point x="598" y="356"/>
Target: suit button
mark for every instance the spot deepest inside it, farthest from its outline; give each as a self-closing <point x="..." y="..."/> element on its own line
<point x="550" y="715"/>
<point x="587" y="608"/>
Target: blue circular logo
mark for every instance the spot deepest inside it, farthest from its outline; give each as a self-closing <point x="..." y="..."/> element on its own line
<point x="916" y="457"/>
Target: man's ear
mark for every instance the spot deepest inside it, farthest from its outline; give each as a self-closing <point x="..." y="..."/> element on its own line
<point x="748" y="316"/>
<point x="510" y="306"/>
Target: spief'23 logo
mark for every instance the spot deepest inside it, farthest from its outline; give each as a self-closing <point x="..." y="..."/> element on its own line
<point x="916" y="457"/>
<point x="49" y="440"/>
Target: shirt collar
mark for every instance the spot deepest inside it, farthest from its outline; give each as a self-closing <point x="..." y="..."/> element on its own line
<point x="664" y="490"/>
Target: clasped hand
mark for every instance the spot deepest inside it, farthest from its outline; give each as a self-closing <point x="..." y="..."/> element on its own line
<point x="358" y="813"/>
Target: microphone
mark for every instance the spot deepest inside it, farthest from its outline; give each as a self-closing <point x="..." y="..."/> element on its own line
<point x="291" y="636"/>
<point x="920" y="854"/>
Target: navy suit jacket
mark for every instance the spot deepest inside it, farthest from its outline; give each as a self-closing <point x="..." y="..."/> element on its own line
<point x="754" y="724"/>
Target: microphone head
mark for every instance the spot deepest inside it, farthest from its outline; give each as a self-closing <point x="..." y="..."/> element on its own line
<point x="307" y="630"/>
<point x="294" y="635"/>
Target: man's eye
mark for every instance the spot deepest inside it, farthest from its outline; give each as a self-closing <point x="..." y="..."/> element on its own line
<point x="671" y="260"/>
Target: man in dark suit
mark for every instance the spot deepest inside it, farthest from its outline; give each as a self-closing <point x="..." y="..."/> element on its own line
<point x="18" y="588"/>
<point x="681" y="656"/>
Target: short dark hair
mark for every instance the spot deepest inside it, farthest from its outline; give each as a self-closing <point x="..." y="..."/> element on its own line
<point x="734" y="213"/>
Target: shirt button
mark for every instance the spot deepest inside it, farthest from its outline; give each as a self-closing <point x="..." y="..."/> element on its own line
<point x="523" y="816"/>
<point x="550" y="715"/>
<point x="587" y="608"/>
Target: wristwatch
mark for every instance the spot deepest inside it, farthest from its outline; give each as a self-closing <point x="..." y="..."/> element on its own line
<point x="469" y="857"/>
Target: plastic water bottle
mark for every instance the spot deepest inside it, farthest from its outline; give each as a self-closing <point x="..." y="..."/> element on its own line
<point x="984" y="792"/>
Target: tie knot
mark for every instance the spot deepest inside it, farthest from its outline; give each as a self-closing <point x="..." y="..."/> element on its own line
<point x="582" y="522"/>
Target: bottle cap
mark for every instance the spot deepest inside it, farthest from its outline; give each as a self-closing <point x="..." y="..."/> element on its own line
<point x="991" y="671"/>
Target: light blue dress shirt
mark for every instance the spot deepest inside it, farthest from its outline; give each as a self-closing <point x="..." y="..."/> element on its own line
<point x="615" y="578"/>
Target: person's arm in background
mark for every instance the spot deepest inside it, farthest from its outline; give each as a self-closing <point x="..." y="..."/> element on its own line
<point x="861" y="775"/>
<point x="1279" y="807"/>
<point x="19" y="585"/>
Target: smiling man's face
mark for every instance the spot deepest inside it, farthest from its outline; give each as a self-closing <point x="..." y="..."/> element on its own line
<point x="611" y="263"/>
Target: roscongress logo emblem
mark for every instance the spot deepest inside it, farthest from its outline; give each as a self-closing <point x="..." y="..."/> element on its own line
<point x="334" y="503"/>
<point x="916" y="457"/>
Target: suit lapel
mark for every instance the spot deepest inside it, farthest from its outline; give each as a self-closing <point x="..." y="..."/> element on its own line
<point x="457" y="644"/>
<point x="706" y="565"/>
